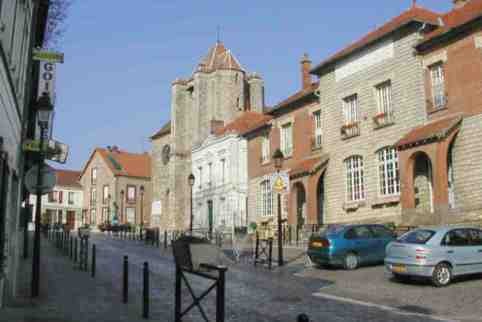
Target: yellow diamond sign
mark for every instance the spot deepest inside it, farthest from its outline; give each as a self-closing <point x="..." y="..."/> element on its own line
<point x="281" y="182"/>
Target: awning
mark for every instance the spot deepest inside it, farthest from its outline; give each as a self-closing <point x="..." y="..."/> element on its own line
<point x="431" y="132"/>
<point x="308" y="166"/>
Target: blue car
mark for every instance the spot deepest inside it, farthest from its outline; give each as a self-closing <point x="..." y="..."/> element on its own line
<point x="350" y="246"/>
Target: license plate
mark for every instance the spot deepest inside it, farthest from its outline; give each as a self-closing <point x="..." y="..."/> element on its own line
<point x="317" y="244"/>
<point x="399" y="268"/>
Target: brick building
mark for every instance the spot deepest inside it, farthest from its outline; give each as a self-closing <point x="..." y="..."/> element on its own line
<point x="116" y="183"/>
<point x="445" y="152"/>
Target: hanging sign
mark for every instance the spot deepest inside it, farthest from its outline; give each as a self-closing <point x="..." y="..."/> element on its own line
<point x="46" y="82"/>
<point x="280" y="182"/>
<point x="48" y="56"/>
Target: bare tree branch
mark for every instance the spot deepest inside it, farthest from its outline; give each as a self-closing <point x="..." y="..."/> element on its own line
<point x="58" y="12"/>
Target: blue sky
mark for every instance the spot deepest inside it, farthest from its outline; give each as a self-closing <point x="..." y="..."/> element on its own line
<point x="120" y="58"/>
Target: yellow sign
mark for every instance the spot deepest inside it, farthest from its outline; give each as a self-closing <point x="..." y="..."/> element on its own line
<point x="48" y="56"/>
<point x="281" y="182"/>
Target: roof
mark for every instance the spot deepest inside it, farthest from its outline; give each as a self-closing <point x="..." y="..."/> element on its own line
<point x="123" y="163"/>
<point x="308" y="166"/>
<point x="245" y="123"/>
<point x="219" y="57"/>
<point x="414" y="14"/>
<point x="295" y="98"/>
<point x="454" y="19"/>
<point x="165" y="129"/>
<point x="68" y="178"/>
<point x="433" y="131"/>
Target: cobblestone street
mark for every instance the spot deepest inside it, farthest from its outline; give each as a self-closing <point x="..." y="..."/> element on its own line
<point x="252" y="294"/>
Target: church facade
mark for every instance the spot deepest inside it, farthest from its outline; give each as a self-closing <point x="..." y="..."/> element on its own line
<point x="218" y="91"/>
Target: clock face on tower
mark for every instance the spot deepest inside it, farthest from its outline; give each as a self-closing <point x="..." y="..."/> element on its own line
<point x="166" y="154"/>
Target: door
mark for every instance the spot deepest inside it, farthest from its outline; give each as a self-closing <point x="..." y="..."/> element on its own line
<point x="459" y="251"/>
<point x="382" y="236"/>
<point x="71" y="219"/>
<point x="210" y="218"/>
<point x="476" y="241"/>
<point x="362" y="242"/>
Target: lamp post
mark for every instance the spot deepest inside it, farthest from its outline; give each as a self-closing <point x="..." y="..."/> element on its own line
<point x="278" y="164"/>
<point x="123" y="220"/>
<point x="44" y="112"/>
<point x="142" y="206"/>
<point x="190" y="180"/>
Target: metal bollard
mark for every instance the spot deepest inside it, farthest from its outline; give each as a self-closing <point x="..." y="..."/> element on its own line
<point x="256" y="250"/>
<point x="165" y="239"/>
<point x="125" y="280"/>
<point x="303" y="318"/>
<point x="71" y="247"/>
<point x="75" y="249"/>
<point x="270" y="252"/>
<point x="220" y="291"/>
<point x="145" y="303"/>
<point x="93" y="260"/>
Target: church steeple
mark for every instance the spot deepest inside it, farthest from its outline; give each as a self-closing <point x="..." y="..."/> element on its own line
<point x="219" y="57"/>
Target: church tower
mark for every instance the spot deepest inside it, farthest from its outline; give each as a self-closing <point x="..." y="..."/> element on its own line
<point x="218" y="91"/>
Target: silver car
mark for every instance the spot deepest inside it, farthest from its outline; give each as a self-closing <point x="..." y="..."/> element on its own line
<point x="438" y="253"/>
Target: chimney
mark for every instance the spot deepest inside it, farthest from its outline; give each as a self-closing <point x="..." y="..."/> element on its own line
<point x="305" y="71"/>
<point x="216" y="125"/>
<point x="459" y="3"/>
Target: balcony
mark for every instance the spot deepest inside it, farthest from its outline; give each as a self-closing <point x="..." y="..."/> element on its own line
<point x="383" y="119"/>
<point x="350" y="130"/>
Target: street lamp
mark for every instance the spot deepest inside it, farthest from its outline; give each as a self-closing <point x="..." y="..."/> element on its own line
<point x="278" y="164"/>
<point x="190" y="180"/>
<point x="142" y="206"/>
<point x="44" y="113"/>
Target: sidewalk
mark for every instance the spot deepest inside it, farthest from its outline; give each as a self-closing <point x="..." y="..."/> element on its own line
<point x="67" y="294"/>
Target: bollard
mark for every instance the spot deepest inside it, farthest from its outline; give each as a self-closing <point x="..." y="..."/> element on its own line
<point x="86" y="263"/>
<point x="145" y="303"/>
<point x="302" y="318"/>
<point x="93" y="260"/>
<point x="165" y="239"/>
<point x="71" y="246"/>
<point x="75" y="249"/>
<point x="270" y="252"/>
<point x="289" y="234"/>
<point x="125" y="280"/>
<point x="221" y="288"/>
<point x="256" y="250"/>
<point x="158" y="239"/>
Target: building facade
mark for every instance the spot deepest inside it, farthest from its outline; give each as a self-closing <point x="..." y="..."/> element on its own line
<point x="65" y="203"/>
<point x="218" y="90"/>
<point x="117" y="187"/>
<point x="23" y="26"/>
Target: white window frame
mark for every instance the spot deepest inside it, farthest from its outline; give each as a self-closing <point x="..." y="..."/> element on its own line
<point x="71" y="198"/>
<point x="266" y="198"/>
<point x="93" y="216"/>
<point x="351" y="109"/>
<point x="265" y="148"/>
<point x="210" y="174"/>
<point x="355" y="188"/>
<point x="388" y="172"/>
<point x="200" y="169"/>
<point x="384" y="97"/>
<point x="93" y="176"/>
<point x="287" y="139"/>
<point x="223" y="170"/>
<point x="437" y="80"/>
<point x="318" y="129"/>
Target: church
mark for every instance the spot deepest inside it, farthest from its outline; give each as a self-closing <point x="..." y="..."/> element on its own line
<point x="218" y="91"/>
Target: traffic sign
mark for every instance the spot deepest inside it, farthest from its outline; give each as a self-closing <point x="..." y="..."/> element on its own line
<point x="281" y="182"/>
<point x="49" y="179"/>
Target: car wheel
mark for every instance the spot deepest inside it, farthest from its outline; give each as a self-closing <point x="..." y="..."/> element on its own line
<point x="442" y="275"/>
<point x="351" y="261"/>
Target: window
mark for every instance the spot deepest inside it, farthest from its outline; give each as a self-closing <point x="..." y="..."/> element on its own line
<point x="264" y="148"/>
<point x="381" y="232"/>
<point x="286" y="139"/>
<point x="438" y="87"/>
<point x="93" y="176"/>
<point x="354" y="178"/>
<point x="457" y="237"/>
<point x="210" y="174"/>
<point x="360" y="232"/>
<point x="200" y="177"/>
<point x="350" y="109"/>
<point x="223" y="170"/>
<point x="317" y="126"/>
<point x="105" y="214"/>
<point x="476" y="237"/>
<point x="131" y="193"/>
<point x="53" y="196"/>
<point x="61" y="197"/>
<point x="384" y="98"/>
<point x="388" y="173"/>
<point x="266" y="198"/>
<point x="130" y="214"/>
<point x="71" y="197"/>
<point x="105" y="194"/>
<point x="93" y="196"/>
<point x="419" y="236"/>
<point x="93" y="216"/>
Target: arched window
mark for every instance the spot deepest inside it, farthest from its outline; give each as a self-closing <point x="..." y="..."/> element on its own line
<point x="388" y="173"/>
<point x="355" y="190"/>
<point x="266" y="198"/>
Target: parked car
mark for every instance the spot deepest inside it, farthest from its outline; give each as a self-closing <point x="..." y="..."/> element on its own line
<point x="350" y="246"/>
<point x="438" y="253"/>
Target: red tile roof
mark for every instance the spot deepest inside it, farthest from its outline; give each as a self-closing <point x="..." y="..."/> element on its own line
<point x="456" y="18"/>
<point x="308" y="166"/>
<point x="414" y="14"/>
<point x="68" y="178"/>
<point x="246" y="122"/>
<point x="304" y="93"/>
<point x="435" y="130"/>
<point x="165" y="129"/>
<point x="219" y="57"/>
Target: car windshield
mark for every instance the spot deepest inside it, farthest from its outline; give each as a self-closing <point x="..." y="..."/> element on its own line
<point x="421" y="236"/>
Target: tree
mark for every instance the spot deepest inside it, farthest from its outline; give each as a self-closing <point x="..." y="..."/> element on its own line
<point x="58" y="12"/>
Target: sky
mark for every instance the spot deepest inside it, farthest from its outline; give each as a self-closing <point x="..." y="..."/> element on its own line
<point x="121" y="56"/>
